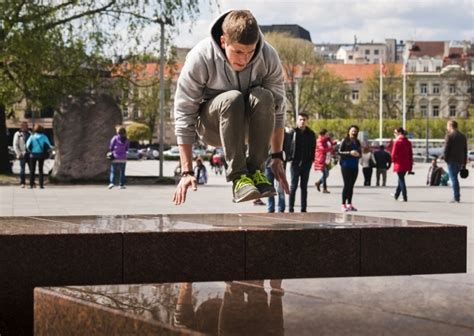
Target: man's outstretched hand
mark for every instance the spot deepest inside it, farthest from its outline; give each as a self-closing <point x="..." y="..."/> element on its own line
<point x="184" y="183"/>
<point x="279" y="172"/>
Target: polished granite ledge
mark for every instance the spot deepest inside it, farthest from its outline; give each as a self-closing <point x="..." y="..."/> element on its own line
<point x="91" y="250"/>
<point x="404" y="305"/>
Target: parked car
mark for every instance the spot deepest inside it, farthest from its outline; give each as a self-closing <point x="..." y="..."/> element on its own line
<point x="172" y="153"/>
<point x="133" y="154"/>
<point x="470" y="156"/>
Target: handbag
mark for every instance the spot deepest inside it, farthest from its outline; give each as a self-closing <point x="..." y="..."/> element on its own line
<point x="464" y="172"/>
<point x="110" y="155"/>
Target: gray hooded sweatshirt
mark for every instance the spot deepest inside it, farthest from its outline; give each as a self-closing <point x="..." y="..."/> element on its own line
<point x="207" y="73"/>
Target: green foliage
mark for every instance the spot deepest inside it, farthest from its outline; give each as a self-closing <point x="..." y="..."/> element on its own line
<point x="318" y="92"/>
<point x="138" y="132"/>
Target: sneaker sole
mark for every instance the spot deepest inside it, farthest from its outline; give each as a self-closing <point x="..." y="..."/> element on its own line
<point x="269" y="194"/>
<point x="251" y="195"/>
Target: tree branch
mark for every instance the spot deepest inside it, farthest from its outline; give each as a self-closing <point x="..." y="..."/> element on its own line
<point x="78" y="16"/>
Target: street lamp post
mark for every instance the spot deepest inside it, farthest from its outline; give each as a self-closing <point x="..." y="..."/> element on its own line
<point x="404" y="90"/>
<point x="427" y="135"/>
<point x="162" y="21"/>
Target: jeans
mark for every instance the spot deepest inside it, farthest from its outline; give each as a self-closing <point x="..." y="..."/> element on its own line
<point x="453" y="171"/>
<point x="117" y="168"/>
<point x="281" y="193"/>
<point x="299" y="171"/>
<point x="231" y="120"/>
<point x="323" y="179"/>
<point x="401" y="187"/>
<point x="23" y="162"/>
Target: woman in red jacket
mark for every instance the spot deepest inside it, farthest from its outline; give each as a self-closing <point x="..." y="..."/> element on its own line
<point x="324" y="146"/>
<point x="402" y="158"/>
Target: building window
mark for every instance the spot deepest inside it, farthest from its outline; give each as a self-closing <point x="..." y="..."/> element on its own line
<point x="355" y="94"/>
<point x="423" y="88"/>
<point x="410" y="110"/>
<point x="367" y="52"/>
<point x="425" y="68"/>
<point x="452" y="110"/>
<point x="350" y="57"/>
<point x="436" y="88"/>
<point x="435" y="110"/>
<point x="452" y="88"/>
<point x="376" y="52"/>
<point x="125" y="112"/>
<point x="412" y="67"/>
<point x="423" y="110"/>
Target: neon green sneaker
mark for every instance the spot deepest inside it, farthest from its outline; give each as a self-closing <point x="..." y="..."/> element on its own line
<point x="263" y="185"/>
<point x="244" y="190"/>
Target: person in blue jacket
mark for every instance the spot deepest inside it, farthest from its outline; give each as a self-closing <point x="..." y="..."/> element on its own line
<point x="38" y="145"/>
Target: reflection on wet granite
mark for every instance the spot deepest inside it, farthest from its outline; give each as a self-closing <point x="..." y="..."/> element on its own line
<point x="415" y="305"/>
<point x="191" y="222"/>
<point x="88" y="250"/>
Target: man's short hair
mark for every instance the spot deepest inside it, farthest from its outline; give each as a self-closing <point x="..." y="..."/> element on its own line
<point x="453" y="123"/>
<point x="240" y="26"/>
<point x="304" y="115"/>
<point x="323" y="131"/>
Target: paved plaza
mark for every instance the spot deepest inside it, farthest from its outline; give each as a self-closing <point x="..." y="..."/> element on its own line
<point x="425" y="203"/>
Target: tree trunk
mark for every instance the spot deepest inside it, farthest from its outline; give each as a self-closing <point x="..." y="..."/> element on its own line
<point x="5" y="167"/>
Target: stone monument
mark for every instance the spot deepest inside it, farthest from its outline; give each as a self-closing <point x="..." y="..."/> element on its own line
<point x="83" y="128"/>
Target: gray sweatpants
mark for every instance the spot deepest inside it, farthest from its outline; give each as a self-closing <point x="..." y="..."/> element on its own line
<point x="231" y="121"/>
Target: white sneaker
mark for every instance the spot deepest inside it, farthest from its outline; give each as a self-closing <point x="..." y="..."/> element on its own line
<point x="111" y="185"/>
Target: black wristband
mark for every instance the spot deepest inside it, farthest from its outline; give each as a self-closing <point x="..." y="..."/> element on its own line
<point x="187" y="173"/>
<point x="278" y="155"/>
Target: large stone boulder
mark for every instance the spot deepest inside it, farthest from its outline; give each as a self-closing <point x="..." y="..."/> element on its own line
<point x="83" y="128"/>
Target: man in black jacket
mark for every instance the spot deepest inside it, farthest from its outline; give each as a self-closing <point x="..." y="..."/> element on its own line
<point x="304" y="143"/>
<point x="455" y="155"/>
<point x="383" y="162"/>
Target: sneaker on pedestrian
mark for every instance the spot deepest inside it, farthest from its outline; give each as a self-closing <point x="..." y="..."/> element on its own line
<point x="454" y="201"/>
<point x="325" y="191"/>
<point x="258" y="201"/>
<point x="351" y="207"/>
<point x="22" y="185"/>
<point x="394" y="196"/>
<point x="111" y="185"/>
<point x="344" y="208"/>
<point x="244" y="189"/>
<point x="264" y="186"/>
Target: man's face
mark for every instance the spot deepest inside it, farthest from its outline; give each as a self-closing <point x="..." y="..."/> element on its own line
<point x="238" y="55"/>
<point x="301" y="122"/>
<point x="24" y="126"/>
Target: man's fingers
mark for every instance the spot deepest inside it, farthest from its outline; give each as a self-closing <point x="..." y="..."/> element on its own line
<point x="194" y="184"/>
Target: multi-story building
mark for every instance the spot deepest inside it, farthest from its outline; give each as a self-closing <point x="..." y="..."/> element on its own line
<point x="443" y="75"/>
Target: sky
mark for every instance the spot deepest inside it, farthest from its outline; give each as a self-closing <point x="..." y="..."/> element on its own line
<point x="338" y="21"/>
